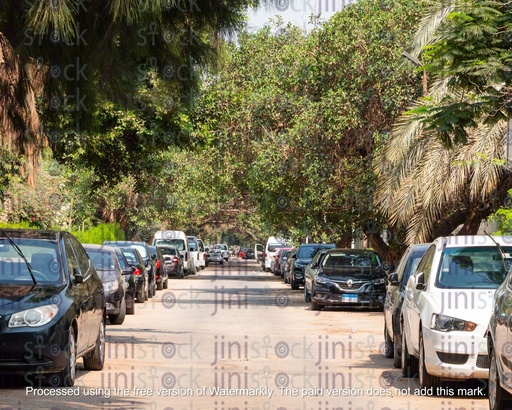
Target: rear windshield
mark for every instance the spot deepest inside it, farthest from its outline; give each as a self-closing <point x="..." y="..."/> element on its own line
<point x="472" y="268"/>
<point x="351" y="260"/>
<point x="168" y="251"/>
<point x="101" y="260"/>
<point x="177" y="243"/>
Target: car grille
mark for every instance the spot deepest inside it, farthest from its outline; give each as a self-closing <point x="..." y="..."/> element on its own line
<point x="453" y="358"/>
<point x="482" y="361"/>
<point x="356" y="284"/>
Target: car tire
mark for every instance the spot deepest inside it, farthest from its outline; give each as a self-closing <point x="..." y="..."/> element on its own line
<point x="426" y="380"/>
<point x="409" y="362"/>
<point x="151" y="290"/>
<point x="294" y="285"/>
<point x="95" y="359"/>
<point x="131" y="310"/>
<point x="67" y="376"/>
<point x="389" y="348"/>
<point x="160" y="285"/>
<point x="165" y="284"/>
<point x="119" y="318"/>
<point x="397" y="356"/>
<point x="140" y="296"/>
<point x="307" y="296"/>
<point x="499" y="398"/>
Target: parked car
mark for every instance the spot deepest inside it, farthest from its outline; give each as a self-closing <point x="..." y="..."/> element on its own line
<point x="179" y="240"/>
<point x="311" y="271"/>
<point x="279" y="258"/>
<point x="499" y="347"/>
<point x="216" y="256"/>
<point x="106" y="264"/>
<point x="348" y="277"/>
<point x="305" y="253"/>
<point x="140" y="272"/>
<point x="173" y="263"/>
<point x="158" y="258"/>
<point x="283" y="264"/>
<point x="203" y="254"/>
<point x="52" y="308"/>
<point x="447" y="306"/>
<point x="224" y="249"/>
<point x="131" y="280"/>
<point x="149" y="263"/>
<point x="271" y="249"/>
<point x="394" y="300"/>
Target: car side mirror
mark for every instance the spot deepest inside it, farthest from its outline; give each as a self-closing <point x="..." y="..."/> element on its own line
<point x="420" y="281"/>
<point x="78" y="275"/>
<point x="393" y="279"/>
<point x="127" y="270"/>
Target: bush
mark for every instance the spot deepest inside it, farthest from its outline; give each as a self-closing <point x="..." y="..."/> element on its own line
<point x="100" y="233"/>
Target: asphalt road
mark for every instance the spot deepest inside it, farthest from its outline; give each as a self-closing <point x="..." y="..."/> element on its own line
<point x="236" y="338"/>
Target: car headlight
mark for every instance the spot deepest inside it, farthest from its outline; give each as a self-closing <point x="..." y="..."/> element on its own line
<point x="110" y="286"/>
<point x="380" y="281"/>
<point x="34" y="317"/>
<point x="447" y="324"/>
<point x="321" y="280"/>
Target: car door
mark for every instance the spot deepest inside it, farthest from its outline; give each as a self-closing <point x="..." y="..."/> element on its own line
<point x="259" y="253"/>
<point x="502" y="322"/>
<point x="93" y="304"/>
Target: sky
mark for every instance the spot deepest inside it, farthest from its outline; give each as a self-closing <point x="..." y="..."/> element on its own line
<point x="297" y="12"/>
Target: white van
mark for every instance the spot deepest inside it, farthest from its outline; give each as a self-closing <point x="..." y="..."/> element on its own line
<point x="179" y="240"/>
<point x="272" y="248"/>
<point x="195" y="253"/>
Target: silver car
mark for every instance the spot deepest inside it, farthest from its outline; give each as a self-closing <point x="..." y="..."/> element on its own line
<point x="216" y="256"/>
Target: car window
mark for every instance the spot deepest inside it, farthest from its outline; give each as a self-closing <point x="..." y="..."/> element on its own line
<point x="347" y="259"/>
<point x="71" y="259"/>
<point x="412" y="261"/>
<point x="177" y="243"/>
<point x="102" y="260"/>
<point x="83" y="259"/>
<point x="121" y="259"/>
<point x="306" y="252"/>
<point x="425" y="264"/>
<point x="471" y="268"/>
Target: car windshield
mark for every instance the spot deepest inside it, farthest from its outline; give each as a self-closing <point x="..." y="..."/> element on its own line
<point x="347" y="259"/>
<point x="168" y="251"/>
<point x="101" y="260"/>
<point x="177" y="243"/>
<point x="472" y="268"/>
<point x="43" y="256"/>
<point x="307" y="252"/>
<point x="129" y="253"/>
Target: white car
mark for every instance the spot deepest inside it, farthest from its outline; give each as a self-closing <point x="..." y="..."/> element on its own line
<point x="224" y="249"/>
<point x="447" y="306"/>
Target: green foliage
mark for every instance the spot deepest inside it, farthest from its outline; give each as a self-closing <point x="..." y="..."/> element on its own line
<point x="100" y="233"/>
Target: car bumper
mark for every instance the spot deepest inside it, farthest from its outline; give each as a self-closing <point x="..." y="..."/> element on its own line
<point x="349" y="299"/>
<point x="37" y="350"/>
<point x="456" y="355"/>
<point x="216" y="260"/>
<point x="113" y="302"/>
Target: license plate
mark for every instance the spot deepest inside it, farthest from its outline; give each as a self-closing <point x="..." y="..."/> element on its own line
<point x="349" y="298"/>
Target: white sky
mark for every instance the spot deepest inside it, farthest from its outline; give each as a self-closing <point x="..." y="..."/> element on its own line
<point x="297" y="12"/>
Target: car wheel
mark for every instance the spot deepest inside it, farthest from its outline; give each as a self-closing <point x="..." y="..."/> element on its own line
<point x="95" y="359"/>
<point x="307" y="296"/>
<point x="140" y="296"/>
<point x="130" y="310"/>
<point x="388" y="343"/>
<point x="66" y="377"/>
<point x="166" y="283"/>
<point x="426" y="380"/>
<point x="119" y="318"/>
<point x="160" y="285"/>
<point x="397" y="355"/>
<point x="294" y="285"/>
<point x="194" y="270"/>
<point x="499" y="398"/>
<point x="151" y="290"/>
<point x="409" y="363"/>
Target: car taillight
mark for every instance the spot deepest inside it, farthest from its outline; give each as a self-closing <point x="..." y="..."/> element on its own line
<point x="175" y="260"/>
<point x="157" y="264"/>
<point x="137" y="272"/>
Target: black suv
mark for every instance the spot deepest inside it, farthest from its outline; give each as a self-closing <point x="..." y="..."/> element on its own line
<point x="52" y="307"/>
<point x="303" y="257"/>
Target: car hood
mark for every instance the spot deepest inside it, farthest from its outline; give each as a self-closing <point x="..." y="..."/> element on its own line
<point x="475" y="305"/>
<point x="343" y="274"/>
<point x="107" y="275"/>
<point x="14" y="298"/>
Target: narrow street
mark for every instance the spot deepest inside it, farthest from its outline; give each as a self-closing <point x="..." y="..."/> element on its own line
<point x="234" y="337"/>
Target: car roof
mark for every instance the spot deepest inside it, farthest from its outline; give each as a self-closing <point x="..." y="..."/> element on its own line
<point x="475" y="240"/>
<point x="34" y="233"/>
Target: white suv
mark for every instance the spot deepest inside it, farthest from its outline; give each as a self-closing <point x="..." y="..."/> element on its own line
<point x="447" y="306"/>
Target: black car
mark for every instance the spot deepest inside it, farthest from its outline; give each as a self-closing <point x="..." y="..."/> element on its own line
<point x="140" y="272"/>
<point x="149" y="263"/>
<point x="349" y="277"/>
<point x="160" y="277"/>
<point x="107" y="265"/>
<point x="130" y="278"/>
<point x="303" y="256"/>
<point x="52" y="306"/>
<point x="394" y="299"/>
